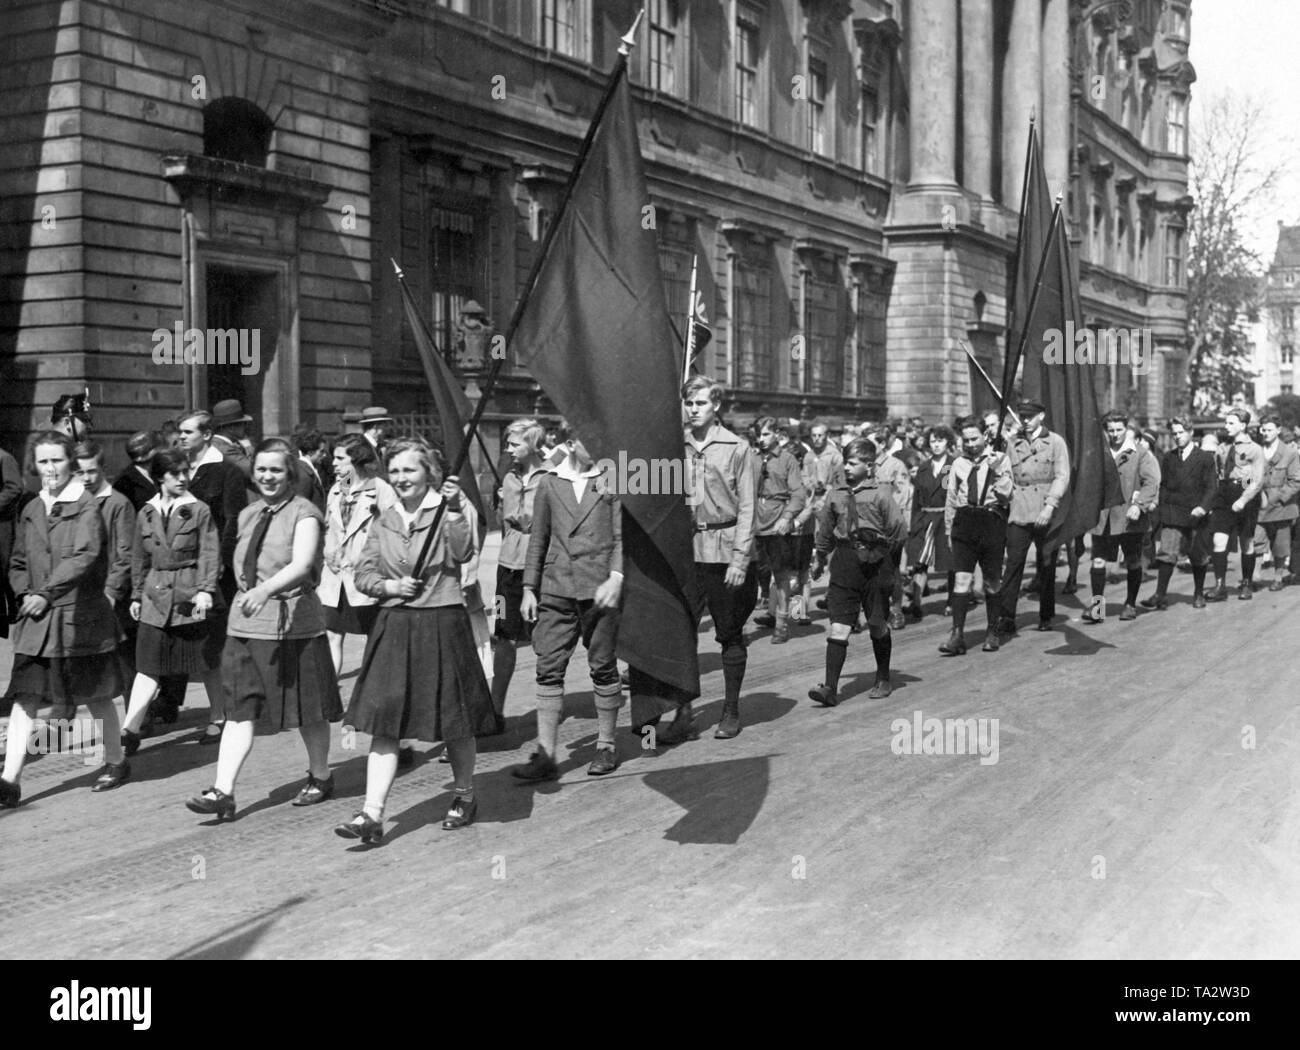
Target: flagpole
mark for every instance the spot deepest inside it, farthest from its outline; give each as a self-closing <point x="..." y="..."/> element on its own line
<point x="628" y="41"/>
<point x="1009" y="380"/>
<point x="992" y="385"/>
<point x="1029" y="312"/>
<point x="690" y="323"/>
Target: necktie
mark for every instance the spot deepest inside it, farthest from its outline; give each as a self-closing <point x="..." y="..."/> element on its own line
<point x="973" y="485"/>
<point x="255" y="546"/>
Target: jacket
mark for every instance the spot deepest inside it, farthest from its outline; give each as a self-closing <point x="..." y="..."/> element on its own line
<point x="223" y="487"/>
<point x="1242" y="462"/>
<point x="517" y="495"/>
<point x="994" y="492"/>
<point x="136" y="487"/>
<point x="722" y="485"/>
<point x="391" y="550"/>
<point x="1139" y="484"/>
<point x="780" y="491"/>
<point x="174" y="561"/>
<point x="1041" y="470"/>
<point x="62" y="555"/>
<point x="1186" y="484"/>
<point x="344" y="544"/>
<point x="574" y="546"/>
<point x="1281" y="483"/>
<point x="119" y="526"/>
<point x="307" y="483"/>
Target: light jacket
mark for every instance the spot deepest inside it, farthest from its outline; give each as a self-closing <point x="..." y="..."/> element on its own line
<point x="392" y="548"/>
<point x="1281" y="482"/>
<point x="874" y="507"/>
<point x="780" y="491"/>
<point x="174" y="562"/>
<point x="62" y="555"/>
<point x="345" y="543"/>
<point x="993" y="492"/>
<point x="517" y="495"/>
<point x="1041" y="469"/>
<point x="722" y="485"/>
<point x="1139" y="484"/>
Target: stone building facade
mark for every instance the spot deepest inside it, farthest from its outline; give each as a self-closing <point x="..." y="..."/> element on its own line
<point x="846" y="174"/>
<point x="1275" y="333"/>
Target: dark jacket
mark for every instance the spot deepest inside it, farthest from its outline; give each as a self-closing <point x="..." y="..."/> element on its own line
<point x="135" y="487"/>
<point x="223" y="487"/>
<point x="1281" y="483"/>
<point x="1185" y="485"/>
<point x="573" y="547"/>
<point x="780" y="491"/>
<point x="873" y="508"/>
<point x="174" y="561"/>
<point x="63" y="557"/>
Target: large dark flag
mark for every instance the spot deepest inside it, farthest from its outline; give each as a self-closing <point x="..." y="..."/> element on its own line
<point x="1067" y="390"/>
<point x="1035" y="220"/>
<point x="596" y="335"/>
<point x="449" y="401"/>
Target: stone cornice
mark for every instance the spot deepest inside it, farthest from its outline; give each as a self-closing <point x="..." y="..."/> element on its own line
<point x="189" y="174"/>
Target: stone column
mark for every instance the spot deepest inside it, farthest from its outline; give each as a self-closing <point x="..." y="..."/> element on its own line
<point x="932" y="83"/>
<point x="1021" y="94"/>
<point x="977" y="96"/>
<point x="1055" y="120"/>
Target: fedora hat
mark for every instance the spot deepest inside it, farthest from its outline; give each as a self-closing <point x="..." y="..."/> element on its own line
<point x="472" y="307"/>
<point x="225" y="413"/>
<point x="374" y="414"/>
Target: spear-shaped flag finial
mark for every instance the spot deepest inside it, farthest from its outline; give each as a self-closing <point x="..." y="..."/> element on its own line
<point x="629" y="38"/>
<point x="395" y="266"/>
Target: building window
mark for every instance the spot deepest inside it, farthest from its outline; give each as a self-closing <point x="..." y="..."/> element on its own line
<point x="1288" y="318"/>
<point x="1288" y="354"/>
<point x="753" y="327"/>
<point x="461" y="7"/>
<point x="817" y="108"/>
<point x="1123" y="242"/>
<point x="1174" y="256"/>
<point x="455" y="268"/>
<point x="560" y="26"/>
<point x="1288" y="277"/>
<point x="663" y="46"/>
<point x="825" y="299"/>
<point x="746" y="70"/>
<point x="1097" y="241"/>
<point x="1176" y="124"/>
<point x="1176" y="22"/>
<point x="236" y="129"/>
<point x="870" y="118"/>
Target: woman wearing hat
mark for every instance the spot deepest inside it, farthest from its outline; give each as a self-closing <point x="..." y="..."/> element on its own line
<point x="276" y="665"/>
<point x="419" y="678"/>
<point x="66" y="633"/>
<point x="356" y="499"/>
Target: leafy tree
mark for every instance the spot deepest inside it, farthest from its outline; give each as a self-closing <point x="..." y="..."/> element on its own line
<point x="1287" y="407"/>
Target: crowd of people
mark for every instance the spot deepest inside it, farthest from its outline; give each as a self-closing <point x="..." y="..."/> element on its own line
<point x="245" y="565"/>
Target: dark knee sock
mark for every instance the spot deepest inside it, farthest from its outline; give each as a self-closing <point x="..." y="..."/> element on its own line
<point x="952" y="582"/>
<point x="836" y="651"/>
<point x="1247" y="568"/>
<point x="1099" y="580"/>
<point x="1220" y="560"/>
<point x="1134" y="584"/>
<point x="733" y="673"/>
<point x="1198" y="577"/>
<point x="882" y="647"/>
<point x="1165" y="573"/>
<point x="960" y="603"/>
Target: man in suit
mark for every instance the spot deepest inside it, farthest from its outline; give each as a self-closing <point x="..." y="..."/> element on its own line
<point x="375" y="424"/>
<point x="134" y="482"/>
<point x="1278" y="511"/>
<point x="573" y="584"/>
<point x="313" y="451"/>
<point x="1187" y="486"/>
<point x="230" y="434"/>
<point x="1122" y="527"/>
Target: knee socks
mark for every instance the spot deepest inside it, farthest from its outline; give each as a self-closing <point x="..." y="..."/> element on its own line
<point x="960" y="603"/>
<point x="550" y="707"/>
<point x="1247" y="568"/>
<point x="609" y="698"/>
<point x="1220" y="560"/>
<point x="836" y="651"/>
<point x="733" y="672"/>
<point x="1134" y="584"/>
<point x="1198" y="577"/>
<point x="882" y="647"/>
<point x="1165" y="573"/>
<point x="1099" y="580"/>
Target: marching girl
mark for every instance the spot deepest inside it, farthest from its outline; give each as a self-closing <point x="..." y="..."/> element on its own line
<point x="66" y="636"/>
<point x="176" y="565"/>
<point x="420" y="677"/>
<point x="276" y="664"/>
<point x="355" y="500"/>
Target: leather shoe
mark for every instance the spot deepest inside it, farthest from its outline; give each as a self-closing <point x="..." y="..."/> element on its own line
<point x="315" y="791"/>
<point x="461" y="814"/>
<point x="1218" y="594"/>
<point x="1044" y="625"/>
<point x="955" y="645"/>
<point x="362" y="827"/>
<point x="820" y="694"/>
<point x="10" y="794"/>
<point x="897" y="621"/>
<point x="880" y="690"/>
<point x="678" y="732"/>
<point x="1089" y="618"/>
<point x="729" y="725"/>
<point x="764" y="620"/>
<point x="1245" y="592"/>
<point x="991" y="642"/>
<point x="131" y="741"/>
<point x="1129" y="612"/>
<point x="539" y="768"/>
<point x="606" y="761"/>
<point x="112" y="776"/>
<point x="1198" y="600"/>
<point x="1069" y="587"/>
<point x="1277" y="585"/>
<point x="1006" y="628"/>
<point x="1156" y="601"/>
<point x="214" y="802"/>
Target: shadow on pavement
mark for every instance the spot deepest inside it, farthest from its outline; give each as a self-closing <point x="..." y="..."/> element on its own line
<point x="721" y="799"/>
<point x="236" y="941"/>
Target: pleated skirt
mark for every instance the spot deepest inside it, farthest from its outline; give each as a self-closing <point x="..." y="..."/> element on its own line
<point x="281" y="684"/>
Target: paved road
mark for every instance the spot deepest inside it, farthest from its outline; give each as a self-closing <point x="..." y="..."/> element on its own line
<point x="1144" y="802"/>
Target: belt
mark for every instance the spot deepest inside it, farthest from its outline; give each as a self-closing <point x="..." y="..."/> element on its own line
<point x="174" y="566"/>
<point x="713" y="526"/>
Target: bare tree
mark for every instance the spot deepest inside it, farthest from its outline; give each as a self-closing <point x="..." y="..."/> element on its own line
<point x="1229" y="180"/>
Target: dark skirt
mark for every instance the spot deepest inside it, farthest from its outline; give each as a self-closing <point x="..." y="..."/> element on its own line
<point x="421" y="678"/>
<point x="182" y="649"/>
<point x="281" y="684"/>
<point x="927" y="544"/>
<point x="64" y="679"/>
<point x="349" y="618"/>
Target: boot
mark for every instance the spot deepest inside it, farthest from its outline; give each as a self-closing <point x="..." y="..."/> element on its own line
<point x="781" y="631"/>
<point x="955" y="645"/>
<point x="729" y="726"/>
<point x="991" y="641"/>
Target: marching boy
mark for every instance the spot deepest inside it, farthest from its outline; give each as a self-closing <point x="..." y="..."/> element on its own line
<point x="862" y="522"/>
<point x="573" y="581"/>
